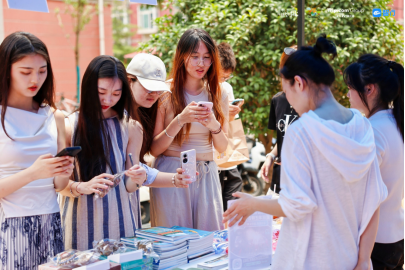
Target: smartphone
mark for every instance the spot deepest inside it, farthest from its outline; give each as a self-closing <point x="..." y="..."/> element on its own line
<point x="69" y="151"/>
<point x="205" y="104"/>
<point x="189" y="163"/>
<point x="236" y="101"/>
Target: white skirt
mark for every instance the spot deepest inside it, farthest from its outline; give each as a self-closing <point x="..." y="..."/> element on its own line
<point x="27" y="242"/>
<point x="199" y="206"/>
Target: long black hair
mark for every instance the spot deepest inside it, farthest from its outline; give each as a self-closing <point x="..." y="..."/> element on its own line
<point x="389" y="78"/>
<point x="91" y="132"/>
<point x="308" y="63"/>
<point x="13" y="48"/>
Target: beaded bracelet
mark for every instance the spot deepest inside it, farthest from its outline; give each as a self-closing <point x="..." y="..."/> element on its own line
<point x="178" y="121"/>
<point x="78" y="190"/>
<point x="71" y="192"/>
<point x="216" y="131"/>
<point x="173" y="181"/>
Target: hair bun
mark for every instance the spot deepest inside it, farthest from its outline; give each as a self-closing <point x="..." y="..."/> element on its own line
<point x="324" y="45"/>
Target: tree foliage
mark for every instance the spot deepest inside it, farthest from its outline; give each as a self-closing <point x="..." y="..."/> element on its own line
<point x="122" y="31"/>
<point x="81" y="12"/>
<point x="259" y="31"/>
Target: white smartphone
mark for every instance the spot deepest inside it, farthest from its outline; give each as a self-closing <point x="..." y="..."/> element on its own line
<point x="205" y="104"/>
<point x="189" y="163"/>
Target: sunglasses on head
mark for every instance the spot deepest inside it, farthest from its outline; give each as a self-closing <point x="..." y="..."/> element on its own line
<point x="289" y="51"/>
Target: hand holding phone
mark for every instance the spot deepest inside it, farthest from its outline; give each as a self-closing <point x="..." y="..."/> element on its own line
<point x="206" y="104"/>
<point x="237" y="101"/>
<point x="189" y="164"/>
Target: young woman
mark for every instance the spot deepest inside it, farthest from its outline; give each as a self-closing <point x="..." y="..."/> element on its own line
<point x="147" y="75"/>
<point x="32" y="132"/>
<point x="376" y="88"/>
<point x="181" y="126"/>
<point x="107" y="135"/>
<point x="331" y="186"/>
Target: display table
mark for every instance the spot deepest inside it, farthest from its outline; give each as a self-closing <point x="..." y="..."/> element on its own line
<point x="194" y="264"/>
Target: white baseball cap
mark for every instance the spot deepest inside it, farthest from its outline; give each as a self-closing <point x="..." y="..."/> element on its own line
<point x="150" y="71"/>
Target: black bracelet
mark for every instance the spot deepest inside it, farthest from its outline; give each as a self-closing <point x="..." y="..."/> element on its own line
<point x="217" y="131"/>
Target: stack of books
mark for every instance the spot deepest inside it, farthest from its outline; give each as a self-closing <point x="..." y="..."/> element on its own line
<point x="169" y="254"/>
<point x="201" y="247"/>
<point x="170" y="244"/>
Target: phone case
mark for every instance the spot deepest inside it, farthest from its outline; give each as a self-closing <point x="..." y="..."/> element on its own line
<point x="69" y="151"/>
<point x="189" y="163"/>
<point x="205" y="104"/>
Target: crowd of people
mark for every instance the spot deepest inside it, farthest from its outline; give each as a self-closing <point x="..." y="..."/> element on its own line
<point x="341" y="181"/>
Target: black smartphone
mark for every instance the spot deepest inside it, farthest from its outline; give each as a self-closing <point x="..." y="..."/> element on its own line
<point x="69" y="151"/>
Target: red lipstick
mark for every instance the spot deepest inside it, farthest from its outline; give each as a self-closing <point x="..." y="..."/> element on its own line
<point x="105" y="107"/>
<point x="33" y="88"/>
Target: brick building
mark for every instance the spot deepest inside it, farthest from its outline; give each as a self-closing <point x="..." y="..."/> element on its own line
<point x="46" y="27"/>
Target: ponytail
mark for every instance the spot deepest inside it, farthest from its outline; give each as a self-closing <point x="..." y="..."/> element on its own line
<point x="398" y="102"/>
<point x="387" y="75"/>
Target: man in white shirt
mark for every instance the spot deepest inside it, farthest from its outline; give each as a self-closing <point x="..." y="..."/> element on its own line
<point x="231" y="180"/>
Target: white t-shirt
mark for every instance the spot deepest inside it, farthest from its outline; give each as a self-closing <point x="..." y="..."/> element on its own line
<point x="229" y="90"/>
<point x="330" y="188"/>
<point x="390" y="154"/>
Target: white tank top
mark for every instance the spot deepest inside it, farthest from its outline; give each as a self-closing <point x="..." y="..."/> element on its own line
<point x="33" y="134"/>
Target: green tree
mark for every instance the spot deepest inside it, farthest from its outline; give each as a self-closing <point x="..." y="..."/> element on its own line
<point x="259" y="31"/>
<point x="81" y="12"/>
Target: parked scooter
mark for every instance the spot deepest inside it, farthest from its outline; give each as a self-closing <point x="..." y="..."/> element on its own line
<point x="252" y="183"/>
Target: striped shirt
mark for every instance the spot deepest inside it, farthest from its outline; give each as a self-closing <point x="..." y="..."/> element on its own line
<point x="117" y="214"/>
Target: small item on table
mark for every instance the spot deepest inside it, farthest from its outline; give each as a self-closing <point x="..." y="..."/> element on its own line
<point x="73" y="258"/>
<point x="147" y="247"/>
<point x="107" y="247"/>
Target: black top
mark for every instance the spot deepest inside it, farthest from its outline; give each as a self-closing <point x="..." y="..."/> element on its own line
<point x="281" y="116"/>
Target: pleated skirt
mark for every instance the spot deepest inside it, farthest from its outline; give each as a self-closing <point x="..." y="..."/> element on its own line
<point x="199" y="206"/>
<point x="27" y="242"/>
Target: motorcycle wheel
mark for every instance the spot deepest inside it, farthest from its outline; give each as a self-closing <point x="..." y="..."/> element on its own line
<point x="145" y="215"/>
<point x="252" y="185"/>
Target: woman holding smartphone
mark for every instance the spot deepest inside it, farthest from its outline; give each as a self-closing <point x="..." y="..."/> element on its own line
<point x="32" y="132"/>
<point x="331" y="186"/>
<point x="181" y="125"/>
<point x="376" y="88"/>
<point x="107" y="135"/>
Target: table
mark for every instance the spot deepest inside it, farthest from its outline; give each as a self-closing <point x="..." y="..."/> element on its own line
<point x="194" y="264"/>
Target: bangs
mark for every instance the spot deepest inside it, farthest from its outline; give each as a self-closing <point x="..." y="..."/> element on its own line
<point x="352" y="78"/>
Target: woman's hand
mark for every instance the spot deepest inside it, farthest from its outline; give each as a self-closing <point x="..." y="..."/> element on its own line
<point x="137" y="174"/>
<point x="192" y="113"/>
<point x="96" y="184"/>
<point x="266" y="168"/>
<point x="47" y="166"/>
<point x="241" y="209"/>
<point x="363" y="265"/>
<point x="181" y="180"/>
<point x="234" y="110"/>
<point x="210" y="122"/>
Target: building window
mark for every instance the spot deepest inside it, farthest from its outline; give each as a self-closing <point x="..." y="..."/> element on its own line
<point x="146" y="19"/>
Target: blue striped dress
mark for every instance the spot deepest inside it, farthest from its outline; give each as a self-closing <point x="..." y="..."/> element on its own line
<point x="117" y="215"/>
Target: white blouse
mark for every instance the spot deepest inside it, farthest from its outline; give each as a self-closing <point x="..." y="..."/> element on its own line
<point x="330" y="188"/>
<point x="390" y="154"/>
<point x="33" y="135"/>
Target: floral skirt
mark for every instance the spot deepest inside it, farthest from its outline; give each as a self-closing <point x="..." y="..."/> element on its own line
<point x="27" y="242"/>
